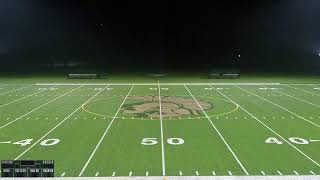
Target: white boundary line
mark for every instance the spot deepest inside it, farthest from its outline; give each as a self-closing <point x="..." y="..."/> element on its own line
<point x="161" y="129"/>
<point x="39" y="107"/>
<point x="15" y="90"/>
<point x="57" y="125"/>
<point x="23" y="98"/>
<point x="218" y="132"/>
<point x="280" y="107"/>
<point x="301" y="90"/>
<point x="104" y="134"/>
<point x="270" y="129"/>
<point x="151" y="84"/>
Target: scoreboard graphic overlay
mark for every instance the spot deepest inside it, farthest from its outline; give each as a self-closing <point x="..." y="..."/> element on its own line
<point x="27" y="168"/>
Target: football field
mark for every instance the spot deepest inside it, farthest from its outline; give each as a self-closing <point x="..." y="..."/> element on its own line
<point x="163" y="128"/>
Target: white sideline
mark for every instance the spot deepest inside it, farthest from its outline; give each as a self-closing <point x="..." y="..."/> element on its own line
<point x="258" y="120"/>
<point x="302" y="90"/>
<point x="293" y="97"/>
<point x="218" y="132"/>
<point x="23" y="98"/>
<point x="161" y="129"/>
<point x="39" y="107"/>
<point x="15" y="90"/>
<point x="154" y="84"/>
<point x="104" y="134"/>
<point x="183" y="178"/>
<point x="57" y="125"/>
<point x="280" y="107"/>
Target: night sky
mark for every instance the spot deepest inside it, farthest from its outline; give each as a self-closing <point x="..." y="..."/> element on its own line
<point x="269" y="34"/>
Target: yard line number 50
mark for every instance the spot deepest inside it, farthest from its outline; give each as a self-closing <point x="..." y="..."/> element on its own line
<point x="154" y="141"/>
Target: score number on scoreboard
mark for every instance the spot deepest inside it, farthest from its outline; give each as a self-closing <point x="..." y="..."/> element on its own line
<point x="27" y="168"/>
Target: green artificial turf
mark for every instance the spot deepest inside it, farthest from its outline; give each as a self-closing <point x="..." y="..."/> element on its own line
<point x="244" y="129"/>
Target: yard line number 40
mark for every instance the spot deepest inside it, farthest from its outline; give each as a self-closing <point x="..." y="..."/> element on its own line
<point x="46" y="142"/>
<point x="295" y="140"/>
<point x="154" y="141"/>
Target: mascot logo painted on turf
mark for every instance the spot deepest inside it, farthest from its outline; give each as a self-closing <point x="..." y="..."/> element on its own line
<point x="172" y="106"/>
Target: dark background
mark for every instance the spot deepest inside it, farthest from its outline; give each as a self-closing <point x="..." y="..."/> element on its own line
<point x="270" y="35"/>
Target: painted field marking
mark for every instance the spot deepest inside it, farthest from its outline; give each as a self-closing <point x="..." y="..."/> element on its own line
<point x="279" y="173"/>
<point x="296" y="173"/>
<point x="114" y="173"/>
<point x="66" y="118"/>
<point x="280" y="107"/>
<point x="15" y="90"/>
<point x="312" y="173"/>
<point x="263" y="173"/>
<point x="153" y="84"/>
<point x="97" y="173"/>
<point x="293" y="97"/>
<point x="302" y="90"/>
<point x="266" y="88"/>
<point x="5" y="142"/>
<point x="104" y="134"/>
<point x="218" y="132"/>
<point x="266" y="126"/>
<point x="21" y="98"/>
<point x="314" y="140"/>
<point x="38" y="108"/>
<point x="161" y="131"/>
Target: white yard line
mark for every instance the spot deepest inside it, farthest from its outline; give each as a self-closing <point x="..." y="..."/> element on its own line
<point x="161" y="131"/>
<point x="218" y="132"/>
<point x="293" y="97"/>
<point x="280" y="107"/>
<point x="22" y="98"/>
<point x="57" y="126"/>
<point x="302" y="90"/>
<point x="39" y="107"/>
<point x="270" y="129"/>
<point x="152" y="84"/>
<point x="15" y="90"/>
<point x="104" y="134"/>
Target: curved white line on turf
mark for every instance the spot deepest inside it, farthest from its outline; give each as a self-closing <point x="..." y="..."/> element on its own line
<point x="39" y="107"/>
<point x="218" y="132"/>
<point x="57" y="125"/>
<point x="104" y="134"/>
<point x="270" y="129"/>
<point x="15" y="90"/>
<point x="161" y="130"/>
<point x="280" y="107"/>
